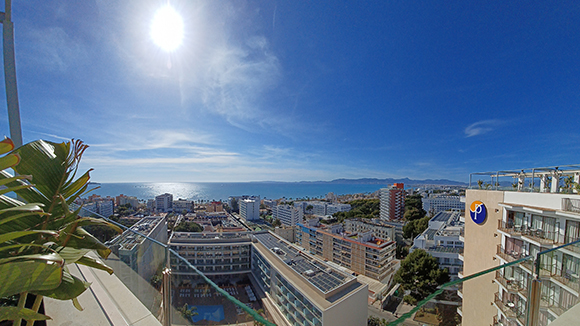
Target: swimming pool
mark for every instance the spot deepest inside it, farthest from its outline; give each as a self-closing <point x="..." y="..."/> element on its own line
<point x="215" y="313"/>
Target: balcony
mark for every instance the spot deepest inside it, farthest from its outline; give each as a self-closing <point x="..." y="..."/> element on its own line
<point x="566" y="278"/>
<point x="509" y="309"/>
<point x="508" y="256"/>
<point x="511" y="285"/>
<point x="509" y="228"/>
<point x="539" y="236"/>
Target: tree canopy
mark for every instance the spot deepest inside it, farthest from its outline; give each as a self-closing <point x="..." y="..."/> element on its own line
<point x="414" y="207"/>
<point x="361" y="208"/>
<point x="415" y="227"/>
<point x="420" y="274"/>
<point x="188" y="227"/>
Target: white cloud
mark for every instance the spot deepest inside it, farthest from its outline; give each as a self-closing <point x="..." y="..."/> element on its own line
<point x="481" y="127"/>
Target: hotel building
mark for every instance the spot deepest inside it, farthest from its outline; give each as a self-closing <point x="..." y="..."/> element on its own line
<point x="518" y="224"/>
<point x="298" y="288"/>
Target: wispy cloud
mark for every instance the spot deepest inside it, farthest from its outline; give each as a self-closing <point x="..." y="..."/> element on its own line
<point x="53" y="50"/>
<point x="481" y="127"/>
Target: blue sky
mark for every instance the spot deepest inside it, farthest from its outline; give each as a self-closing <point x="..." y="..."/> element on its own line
<point x="303" y="90"/>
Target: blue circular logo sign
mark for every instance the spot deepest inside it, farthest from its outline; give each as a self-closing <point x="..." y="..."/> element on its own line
<point x="478" y="212"/>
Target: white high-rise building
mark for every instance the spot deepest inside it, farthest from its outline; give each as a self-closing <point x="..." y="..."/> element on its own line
<point x="164" y="203"/>
<point x="435" y="204"/>
<point x="288" y="215"/>
<point x="250" y="208"/>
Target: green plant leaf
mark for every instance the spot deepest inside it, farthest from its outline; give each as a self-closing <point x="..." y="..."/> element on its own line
<point x="19" y="234"/>
<point x="70" y="288"/>
<point x="71" y="255"/>
<point x="82" y="239"/>
<point x="13" y="313"/>
<point x="46" y="162"/>
<point x="91" y="262"/>
<point x="6" y="146"/>
<point x="9" y="161"/>
<point x="15" y="178"/>
<point x="30" y="273"/>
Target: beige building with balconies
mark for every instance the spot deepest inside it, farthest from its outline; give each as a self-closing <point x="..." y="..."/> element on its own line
<point x="518" y="224"/>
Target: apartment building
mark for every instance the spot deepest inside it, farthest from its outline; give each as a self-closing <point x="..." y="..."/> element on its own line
<point x="335" y="208"/>
<point x="392" y="202"/>
<point x="123" y="200"/>
<point x="360" y="252"/>
<point x="182" y="205"/>
<point x="288" y="215"/>
<point x="250" y="208"/>
<point x="214" y="206"/>
<point x="434" y="203"/>
<point x="504" y="226"/>
<point x="379" y="228"/>
<point x="442" y="239"/>
<point x="164" y="203"/>
<point x="299" y="288"/>
<point x="321" y="208"/>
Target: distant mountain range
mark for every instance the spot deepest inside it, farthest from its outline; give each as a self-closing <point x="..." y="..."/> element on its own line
<point x="406" y="181"/>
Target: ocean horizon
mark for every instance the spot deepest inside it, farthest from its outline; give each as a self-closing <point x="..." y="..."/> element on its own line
<point x="221" y="190"/>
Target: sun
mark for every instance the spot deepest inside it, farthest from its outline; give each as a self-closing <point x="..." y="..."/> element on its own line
<point x="167" y="28"/>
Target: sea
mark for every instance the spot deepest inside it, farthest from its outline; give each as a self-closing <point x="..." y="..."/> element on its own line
<point x="221" y="191"/>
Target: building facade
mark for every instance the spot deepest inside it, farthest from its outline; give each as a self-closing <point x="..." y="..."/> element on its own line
<point x="164" y="203"/>
<point x="438" y="203"/>
<point x="360" y="252"/>
<point x="378" y="227"/>
<point x="392" y="202"/>
<point x="519" y="224"/>
<point x="442" y="240"/>
<point x="250" y="208"/>
<point x="181" y="205"/>
<point x="288" y="215"/>
<point x="300" y="288"/>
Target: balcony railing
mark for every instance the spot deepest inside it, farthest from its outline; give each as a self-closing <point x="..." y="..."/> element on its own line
<point x="508" y="256"/>
<point x="538" y="235"/>
<point x="571" y="205"/>
<point x="510" y="284"/>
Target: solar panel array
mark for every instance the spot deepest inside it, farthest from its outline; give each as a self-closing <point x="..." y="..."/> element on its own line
<point x="323" y="280"/>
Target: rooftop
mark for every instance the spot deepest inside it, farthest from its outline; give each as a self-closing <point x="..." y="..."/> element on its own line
<point x="319" y="274"/>
<point x="127" y="240"/>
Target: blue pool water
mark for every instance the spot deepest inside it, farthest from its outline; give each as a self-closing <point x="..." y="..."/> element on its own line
<point x="215" y="313"/>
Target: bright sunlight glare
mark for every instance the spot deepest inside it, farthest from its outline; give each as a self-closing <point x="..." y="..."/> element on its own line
<point x="167" y="28"/>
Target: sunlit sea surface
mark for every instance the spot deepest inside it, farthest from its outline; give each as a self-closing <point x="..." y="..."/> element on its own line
<point x="221" y="191"/>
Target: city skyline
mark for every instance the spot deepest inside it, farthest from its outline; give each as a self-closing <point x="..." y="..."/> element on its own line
<point x="262" y="91"/>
